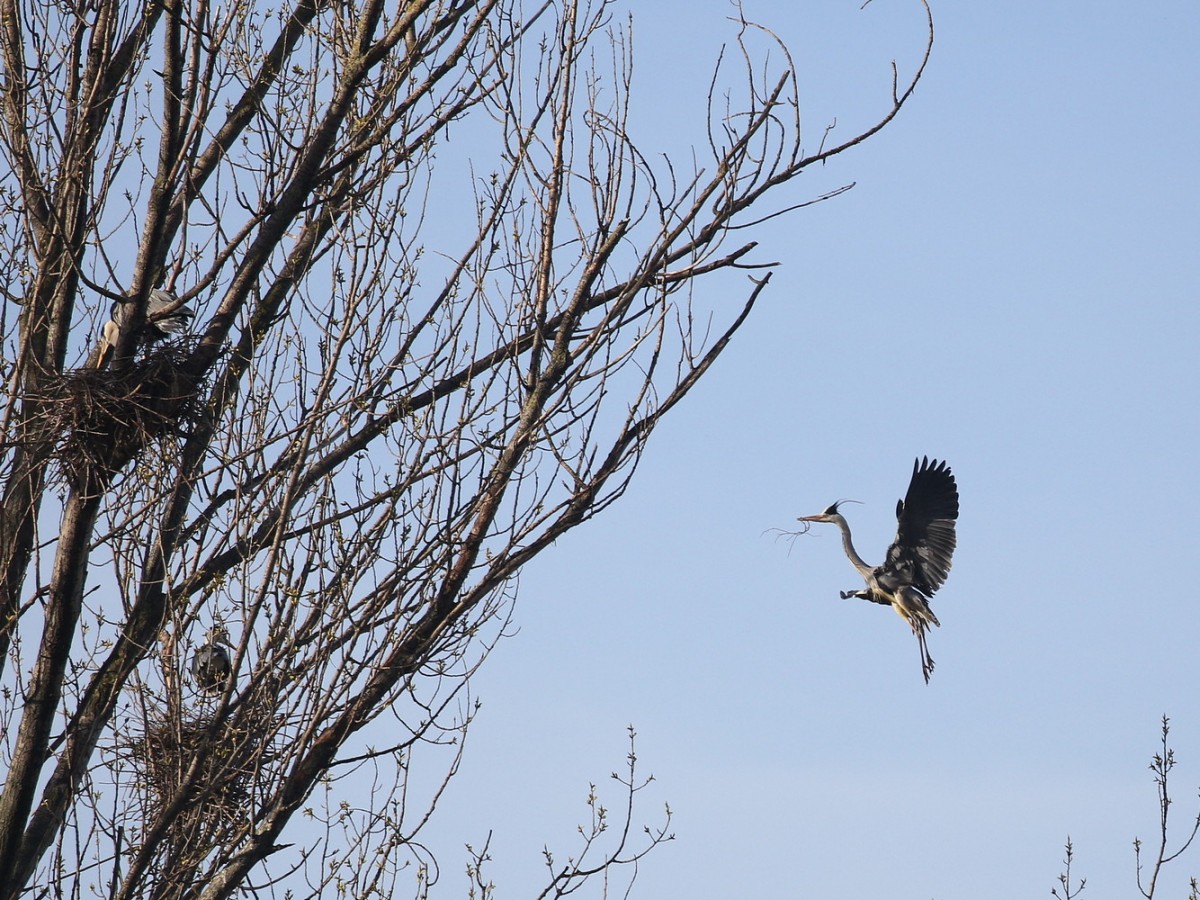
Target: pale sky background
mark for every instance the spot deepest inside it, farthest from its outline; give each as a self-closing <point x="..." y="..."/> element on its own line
<point x="1011" y="286"/>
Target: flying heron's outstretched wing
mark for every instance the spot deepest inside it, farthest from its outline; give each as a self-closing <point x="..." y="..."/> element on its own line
<point x="920" y="554"/>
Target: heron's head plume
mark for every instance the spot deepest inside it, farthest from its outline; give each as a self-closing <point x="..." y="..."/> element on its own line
<point x="828" y="514"/>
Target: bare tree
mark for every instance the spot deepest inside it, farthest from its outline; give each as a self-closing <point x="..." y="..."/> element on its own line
<point x="1147" y="881"/>
<point x="1069" y="891"/>
<point x="412" y="368"/>
<point x="1161" y="765"/>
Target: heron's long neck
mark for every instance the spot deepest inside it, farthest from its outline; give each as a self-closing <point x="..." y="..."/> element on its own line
<point x="848" y="546"/>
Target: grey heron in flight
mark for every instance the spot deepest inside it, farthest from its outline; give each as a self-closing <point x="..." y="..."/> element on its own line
<point x="165" y="315"/>
<point x="212" y="664"/>
<point x="918" y="560"/>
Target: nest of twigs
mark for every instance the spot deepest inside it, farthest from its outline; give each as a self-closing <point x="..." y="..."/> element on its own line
<point x="96" y="420"/>
<point x="203" y="767"/>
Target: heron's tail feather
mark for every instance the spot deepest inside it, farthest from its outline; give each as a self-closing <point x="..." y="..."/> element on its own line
<point x="914" y="609"/>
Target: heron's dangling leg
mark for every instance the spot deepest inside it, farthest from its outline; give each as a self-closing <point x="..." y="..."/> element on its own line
<point x="912" y="606"/>
<point x="926" y="659"/>
<point x="865" y="595"/>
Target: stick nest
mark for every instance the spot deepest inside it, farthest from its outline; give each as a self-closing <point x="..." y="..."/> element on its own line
<point x="96" y="420"/>
<point x="206" y="769"/>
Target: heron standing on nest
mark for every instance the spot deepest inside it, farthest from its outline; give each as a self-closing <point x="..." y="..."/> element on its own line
<point x="212" y="665"/>
<point x="165" y="315"/>
<point x="918" y="560"/>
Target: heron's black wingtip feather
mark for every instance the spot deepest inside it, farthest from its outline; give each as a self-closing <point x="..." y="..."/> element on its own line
<point x="925" y="538"/>
<point x="932" y="489"/>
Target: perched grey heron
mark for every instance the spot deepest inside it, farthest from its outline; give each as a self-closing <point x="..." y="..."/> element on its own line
<point x="212" y="664"/>
<point x="918" y="560"/>
<point x="165" y="315"/>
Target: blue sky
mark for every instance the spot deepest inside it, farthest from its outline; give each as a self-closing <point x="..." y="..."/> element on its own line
<point x="1013" y="286"/>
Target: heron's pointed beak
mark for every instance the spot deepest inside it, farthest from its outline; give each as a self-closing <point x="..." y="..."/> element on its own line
<point x="819" y="517"/>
